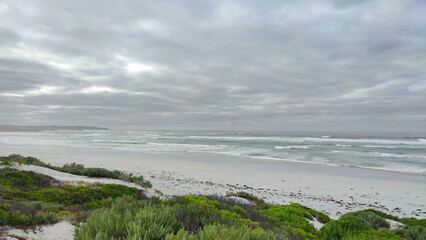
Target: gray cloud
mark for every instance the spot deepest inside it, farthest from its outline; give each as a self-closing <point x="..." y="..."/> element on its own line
<point x="298" y="65"/>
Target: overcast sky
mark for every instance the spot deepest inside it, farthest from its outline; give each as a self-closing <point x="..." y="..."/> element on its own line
<point x="267" y="65"/>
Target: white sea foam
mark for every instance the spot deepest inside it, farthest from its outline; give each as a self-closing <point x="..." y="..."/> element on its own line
<point x="238" y="138"/>
<point x="292" y="147"/>
<point x="400" y="168"/>
<point x="185" y="145"/>
<point x="377" y="141"/>
<point x="382" y="146"/>
<point x="118" y="141"/>
<point x="396" y="155"/>
<point x="343" y="145"/>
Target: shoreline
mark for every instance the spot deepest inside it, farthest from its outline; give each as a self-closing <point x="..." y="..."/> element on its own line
<point x="331" y="189"/>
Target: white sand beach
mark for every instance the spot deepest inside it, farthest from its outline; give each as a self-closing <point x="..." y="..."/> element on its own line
<point x="331" y="189"/>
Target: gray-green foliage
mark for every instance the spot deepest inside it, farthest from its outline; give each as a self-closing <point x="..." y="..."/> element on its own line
<point x="129" y="219"/>
<point x="412" y="232"/>
<point x="222" y="232"/>
<point x="247" y="196"/>
<point x="370" y="219"/>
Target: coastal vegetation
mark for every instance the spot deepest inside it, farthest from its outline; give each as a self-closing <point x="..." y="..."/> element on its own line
<point x="111" y="211"/>
<point x="77" y="169"/>
<point x="28" y="198"/>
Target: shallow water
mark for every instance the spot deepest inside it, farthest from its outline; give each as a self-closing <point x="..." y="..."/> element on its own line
<point x="403" y="154"/>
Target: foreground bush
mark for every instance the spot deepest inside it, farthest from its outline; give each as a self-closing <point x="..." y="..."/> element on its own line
<point x="370" y="219"/>
<point x="350" y="227"/>
<point x="224" y="233"/>
<point x="412" y="232"/>
<point x="297" y="216"/>
<point x="129" y="219"/>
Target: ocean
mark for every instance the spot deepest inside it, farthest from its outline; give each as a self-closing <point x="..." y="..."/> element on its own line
<point x="402" y="154"/>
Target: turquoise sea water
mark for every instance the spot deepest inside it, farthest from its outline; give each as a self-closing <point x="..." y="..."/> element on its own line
<point x="404" y="154"/>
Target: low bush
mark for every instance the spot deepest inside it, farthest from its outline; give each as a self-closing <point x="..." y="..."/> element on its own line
<point x="411" y="232"/>
<point x="129" y="219"/>
<point x="413" y="222"/>
<point x="247" y="196"/>
<point x="349" y="227"/>
<point x="45" y="206"/>
<point x="24" y="180"/>
<point x="293" y="215"/>
<point x="381" y="214"/>
<point x="370" y="219"/>
<point x="195" y="212"/>
<point x="224" y="233"/>
<point x="17" y="218"/>
<point x="52" y="195"/>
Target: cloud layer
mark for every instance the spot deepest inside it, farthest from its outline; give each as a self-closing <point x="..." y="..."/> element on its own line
<point x="298" y="65"/>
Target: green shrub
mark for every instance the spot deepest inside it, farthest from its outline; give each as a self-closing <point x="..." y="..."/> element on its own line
<point x="3" y="217"/>
<point x="222" y="232"/>
<point x="53" y="195"/>
<point x="17" y="218"/>
<point x="7" y="192"/>
<point x="24" y="180"/>
<point x="411" y="232"/>
<point x="128" y="219"/>
<point x="413" y="222"/>
<point x="99" y="172"/>
<point x="293" y="215"/>
<point x="45" y="206"/>
<point x="247" y="196"/>
<point x="194" y="216"/>
<point x="370" y="219"/>
<point x="381" y="214"/>
<point x="5" y="206"/>
<point x="201" y="200"/>
<point x="346" y="226"/>
<point x="26" y="160"/>
<point x="349" y="227"/>
<point x="115" y="190"/>
<point x="373" y="235"/>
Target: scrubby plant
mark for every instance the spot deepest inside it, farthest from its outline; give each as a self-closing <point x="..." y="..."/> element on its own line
<point x="413" y="222"/>
<point x="17" y="218"/>
<point x="222" y="232"/>
<point x="373" y="235"/>
<point x="350" y="227"/>
<point x="370" y="219"/>
<point x="344" y="227"/>
<point x="247" y="196"/>
<point x="195" y="212"/>
<point x="45" y="206"/>
<point x="381" y="214"/>
<point x="129" y="219"/>
<point x="297" y="217"/>
<point x="24" y="180"/>
<point x="411" y="232"/>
